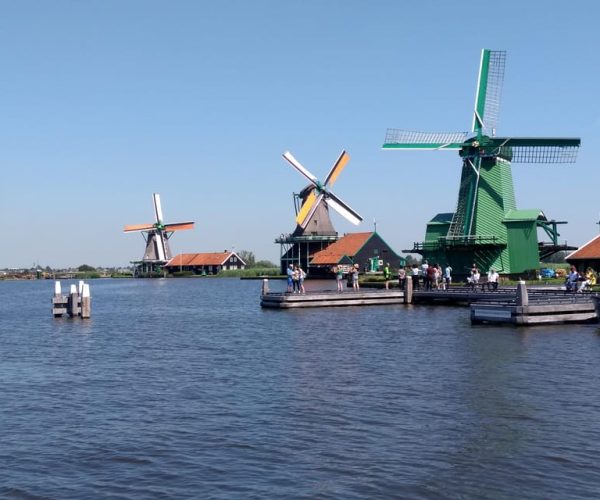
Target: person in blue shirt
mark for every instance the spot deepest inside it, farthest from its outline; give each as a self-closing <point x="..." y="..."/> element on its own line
<point x="290" y="274"/>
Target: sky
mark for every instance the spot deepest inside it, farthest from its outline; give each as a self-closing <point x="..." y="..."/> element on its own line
<point x="104" y="102"/>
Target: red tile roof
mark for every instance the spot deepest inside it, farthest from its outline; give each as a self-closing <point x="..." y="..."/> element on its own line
<point x="201" y="259"/>
<point x="591" y="250"/>
<point x="348" y="245"/>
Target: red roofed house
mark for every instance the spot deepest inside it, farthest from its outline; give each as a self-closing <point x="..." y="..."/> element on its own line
<point x="368" y="250"/>
<point x="205" y="263"/>
<point x="586" y="256"/>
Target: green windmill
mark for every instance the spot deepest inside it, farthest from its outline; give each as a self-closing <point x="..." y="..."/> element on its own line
<point x="487" y="228"/>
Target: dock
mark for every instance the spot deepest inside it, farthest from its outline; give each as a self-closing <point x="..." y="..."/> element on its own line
<point x="536" y="308"/>
<point x="331" y="298"/>
<point x="515" y="305"/>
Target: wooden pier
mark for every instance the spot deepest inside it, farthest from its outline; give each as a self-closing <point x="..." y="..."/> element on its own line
<point x="327" y="298"/>
<point x="77" y="304"/>
<point x="509" y="305"/>
<point x="536" y="308"/>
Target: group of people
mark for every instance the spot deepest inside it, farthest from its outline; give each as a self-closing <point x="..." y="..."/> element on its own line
<point x="434" y="277"/>
<point x="339" y="277"/>
<point x="579" y="282"/>
<point x="295" y="279"/>
<point x="492" y="279"/>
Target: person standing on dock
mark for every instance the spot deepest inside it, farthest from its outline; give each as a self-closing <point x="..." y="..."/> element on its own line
<point x="301" y="276"/>
<point x="447" y="277"/>
<point x="296" y="279"/>
<point x="415" y="276"/>
<point x="401" y="278"/>
<point x="474" y="277"/>
<point x="290" y="280"/>
<point x="355" y="285"/>
<point x="387" y="274"/>
<point x="429" y="277"/>
<point x="425" y="274"/>
<point x="339" y="276"/>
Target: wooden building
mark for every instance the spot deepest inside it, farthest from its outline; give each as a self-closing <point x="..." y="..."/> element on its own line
<point x="205" y="263"/>
<point x="368" y="250"/>
<point x="586" y="256"/>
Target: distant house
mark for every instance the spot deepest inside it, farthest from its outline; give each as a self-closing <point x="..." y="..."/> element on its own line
<point x="368" y="250"/>
<point x="205" y="263"/>
<point x="586" y="256"/>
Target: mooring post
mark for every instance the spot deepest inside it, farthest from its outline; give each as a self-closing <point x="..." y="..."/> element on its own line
<point x="265" y="287"/>
<point x="58" y="302"/>
<point x="73" y="303"/>
<point x="408" y="290"/>
<point x="522" y="295"/>
<point x="86" y="301"/>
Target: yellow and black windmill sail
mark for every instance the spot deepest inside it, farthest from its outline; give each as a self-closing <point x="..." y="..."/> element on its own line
<point x="317" y="192"/>
<point x="487" y="228"/>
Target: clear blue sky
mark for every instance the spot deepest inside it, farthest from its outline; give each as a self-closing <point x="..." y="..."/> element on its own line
<point x="104" y="102"/>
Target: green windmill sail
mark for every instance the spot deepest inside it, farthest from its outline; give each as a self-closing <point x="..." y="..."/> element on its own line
<point x="487" y="228"/>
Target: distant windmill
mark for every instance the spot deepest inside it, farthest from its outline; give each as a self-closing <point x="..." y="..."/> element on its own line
<point x="157" y="236"/>
<point x="314" y="230"/>
<point x="486" y="227"/>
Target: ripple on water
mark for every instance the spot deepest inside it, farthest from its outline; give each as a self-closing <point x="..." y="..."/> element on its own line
<point x="186" y="388"/>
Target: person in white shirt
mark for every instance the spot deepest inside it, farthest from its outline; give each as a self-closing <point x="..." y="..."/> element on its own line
<point x="492" y="279"/>
<point x="447" y="276"/>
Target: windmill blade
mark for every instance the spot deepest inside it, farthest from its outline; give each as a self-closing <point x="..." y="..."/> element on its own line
<point x="308" y="204"/>
<point x="536" y="149"/>
<point x="298" y="166"/>
<point x="336" y="169"/>
<point x="138" y="227"/>
<point x="311" y="212"/>
<point x="179" y="226"/>
<point x="405" y="139"/>
<point x="342" y="208"/>
<point x="157" y="208"/>
<point x="160" y="245"/>
<point x="489" y="91"/>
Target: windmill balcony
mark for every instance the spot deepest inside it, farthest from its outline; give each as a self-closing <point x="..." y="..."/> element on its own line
<point x="289" y="238"/>
<point x="456" y="242"/>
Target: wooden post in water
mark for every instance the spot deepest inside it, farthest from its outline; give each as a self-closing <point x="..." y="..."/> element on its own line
<point x="408" y="289"/>
<point x="522" y="295"/>
<point x="58" y="301"/>
<point x="73" y="304"/>
<point x="265" y="287"/>
<point x="86" y="301"/>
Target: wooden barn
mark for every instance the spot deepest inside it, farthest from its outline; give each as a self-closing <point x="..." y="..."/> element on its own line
<point x="586" y="256"/>
<point x="368" y="250"/>
<point x="205" y="263"/>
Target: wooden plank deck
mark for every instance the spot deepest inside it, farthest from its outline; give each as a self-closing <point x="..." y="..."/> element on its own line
<point x="331" y="299"/>
<point x="582" y="312"/>
<point x="463" y="295"/>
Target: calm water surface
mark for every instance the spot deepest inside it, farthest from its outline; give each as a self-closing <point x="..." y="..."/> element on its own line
<point x="186" y="388"/>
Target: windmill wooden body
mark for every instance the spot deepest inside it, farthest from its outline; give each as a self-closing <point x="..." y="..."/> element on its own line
<point x="486" y="228"/>
<point x="314" y="230"/>
<point x="157" y="251"/>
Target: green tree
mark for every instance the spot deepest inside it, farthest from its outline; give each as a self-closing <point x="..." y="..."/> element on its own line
<point x="84" y="268"/>
<point x="248" y="257"/>
<point x="265" y="263"/>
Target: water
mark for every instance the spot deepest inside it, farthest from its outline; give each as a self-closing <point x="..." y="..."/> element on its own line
<point x="186" y="388"/>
